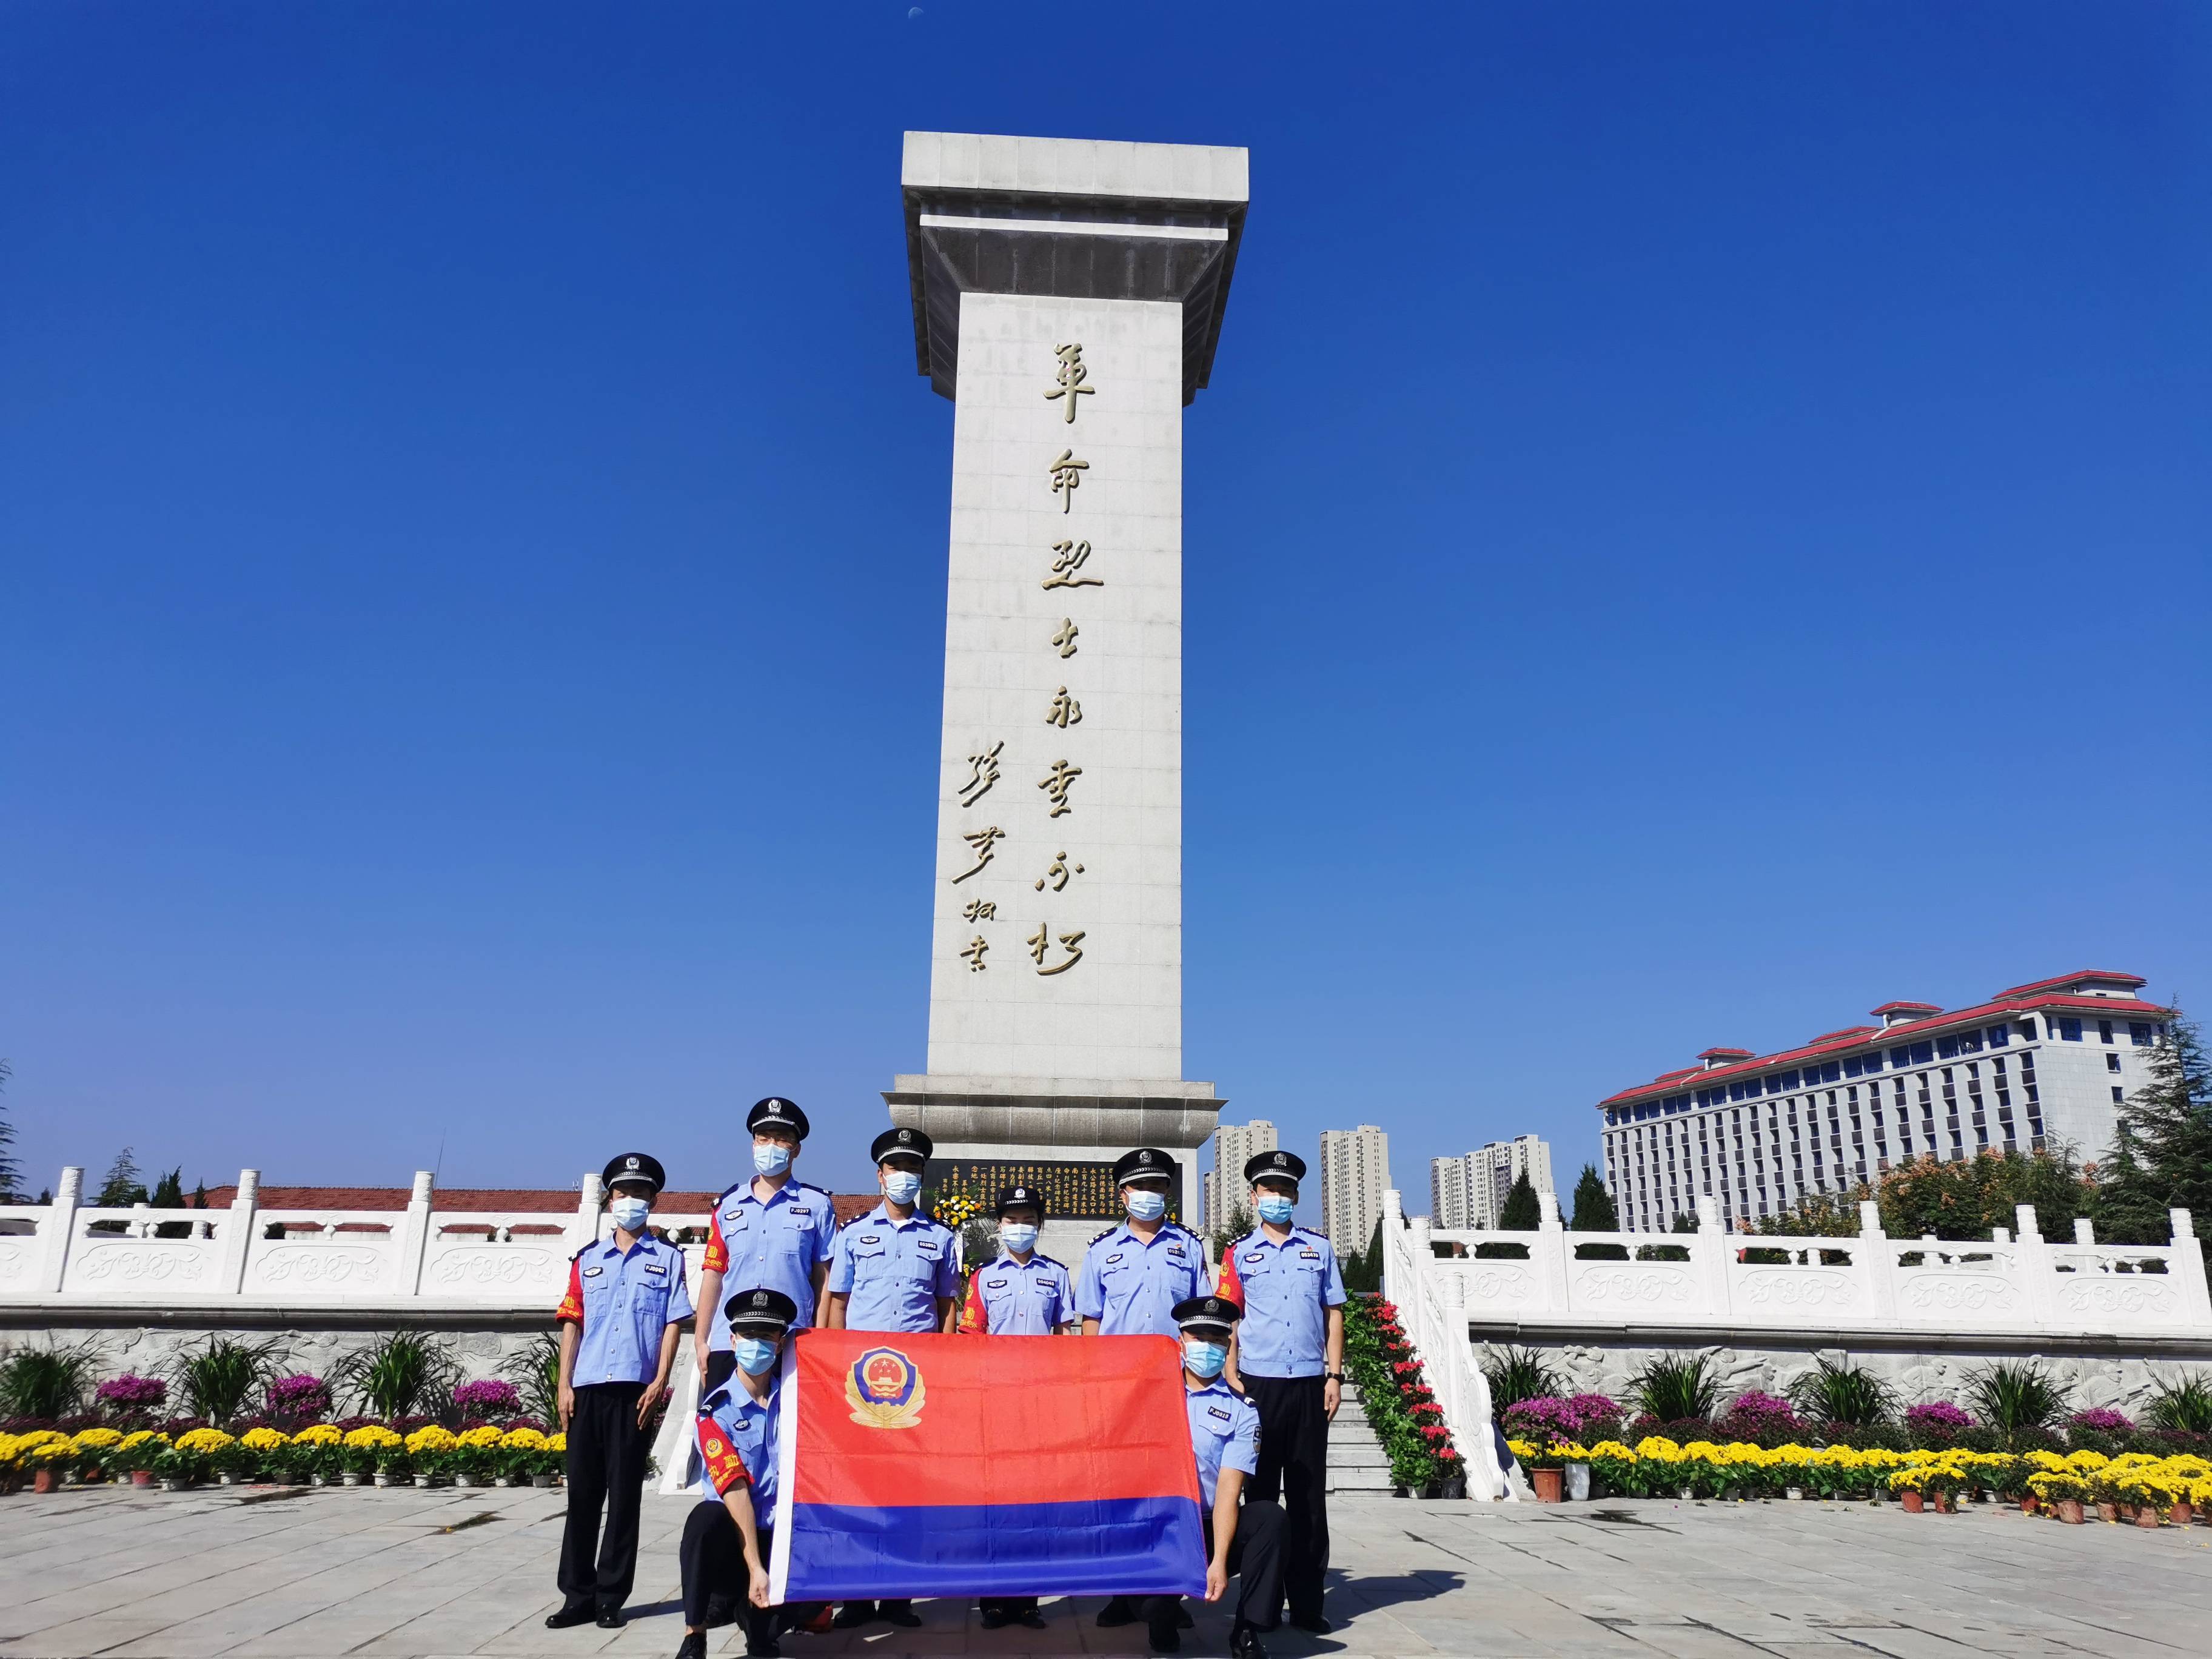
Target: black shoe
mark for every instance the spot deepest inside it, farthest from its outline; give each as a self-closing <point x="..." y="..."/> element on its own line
<point x="610" y="1619"/>
<point x="1244" y="1643"/>
<point x="1163" y="1635"/>
<point x="1117" y="1612"/>
<point x="901" y="1613"/>
<point x="572" y="1612"/>
<point x="994" y="1618"/>
<point x="851" y="1615"/>
<point x="1031" y="1618"/>
<point x="1183" y="1620"/>
<point x="1314" y="1622"/>
<point x="694" y="1645"/>
<point x="720" y="1610"/>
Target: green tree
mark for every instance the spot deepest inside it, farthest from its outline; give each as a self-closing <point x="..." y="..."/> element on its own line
<point x="1965" y="1198"/>
<point x="123" y="1186"/>
<point x="1684" y="1222"/>
<point x="1239" y="1224"/>
<point x="10" y="1171"/>
<point x="1363" y="1269"/>
<point x="2161" y="1152"/>
<point x="1593" y="1210"/>
<point x="1522" y="1213"/>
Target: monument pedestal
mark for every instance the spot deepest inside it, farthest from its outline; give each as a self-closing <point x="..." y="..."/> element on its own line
<point x="1067" y="297"/>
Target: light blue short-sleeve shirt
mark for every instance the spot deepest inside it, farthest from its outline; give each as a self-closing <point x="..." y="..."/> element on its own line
<point x="1287" y="1291"/>
<point x="776" y="1242"/>
<point x="1130" y="1284"/>
<point x="1020" y="1299"/>
<point x="621" y="1302"/>
<point x="1224" y="1433"/>
<point x="893" y="1272"/>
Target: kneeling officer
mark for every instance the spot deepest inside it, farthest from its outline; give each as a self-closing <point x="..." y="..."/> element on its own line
<point x="730" y="1532"/>
<point x="1244" y="1539"/>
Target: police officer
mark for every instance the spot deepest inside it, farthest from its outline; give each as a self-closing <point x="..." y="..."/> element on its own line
<point x="1289" y="1362"/>
<point x="1133" y="1274"/>
<point x="894" y="1269"/>
<point x="770" y="1228"/>
<point x="1018" y="1293"/>
<point x="1244" y="1539"/>
<point x="626" y="1297"/>
<point x="729" y="1534"/>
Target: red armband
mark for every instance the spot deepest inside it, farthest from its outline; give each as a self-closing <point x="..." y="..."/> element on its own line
<point x="718" y="1253"/>
<point x="725" y="1468"/>
<point x="571" y="1310"/>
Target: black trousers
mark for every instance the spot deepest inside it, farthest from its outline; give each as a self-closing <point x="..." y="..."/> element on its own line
<point x="713" y="1558"/>
<point x="607" y="1454"/>
<point x="1255" y="1562"/>
<point x="720" y="1368"/>
<point x="1294" y="1464"/>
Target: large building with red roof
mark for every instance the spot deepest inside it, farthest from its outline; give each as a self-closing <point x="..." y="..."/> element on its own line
<point x="2042" y="1063"/>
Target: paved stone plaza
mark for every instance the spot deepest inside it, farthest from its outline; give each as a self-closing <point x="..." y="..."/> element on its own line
<point x="407" y="1572"/>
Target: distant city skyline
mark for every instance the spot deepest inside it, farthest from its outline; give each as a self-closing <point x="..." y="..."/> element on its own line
<point x="1470" y="1190"/>
<point x="1355" y="1173"/>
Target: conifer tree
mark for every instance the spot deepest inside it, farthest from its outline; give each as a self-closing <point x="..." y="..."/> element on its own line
<point x="1521" y="1213"/>
<point x="123" y="1188"/>
<point x="1594" y="1209"/>
<point x="2161" y="1151"/>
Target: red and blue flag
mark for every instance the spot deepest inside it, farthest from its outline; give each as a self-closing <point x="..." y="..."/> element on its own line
<point x="934" y="1465"/>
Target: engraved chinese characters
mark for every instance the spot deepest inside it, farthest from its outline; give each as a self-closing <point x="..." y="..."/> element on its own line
<point x="1072" y="567"/>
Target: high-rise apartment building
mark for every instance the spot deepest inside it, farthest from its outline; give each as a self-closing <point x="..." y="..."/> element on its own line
<point x="1233" y="1143"/>
<point x="1471" y="1191"/>
<point x="2053" y="1060"/>
<point x="1355" y="1173"/>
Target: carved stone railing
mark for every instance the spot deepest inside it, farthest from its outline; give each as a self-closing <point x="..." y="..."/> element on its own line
<point x="71" y="1254"/>
<point x="2013" y="1284"/>
<point x="1431" y="1307"/>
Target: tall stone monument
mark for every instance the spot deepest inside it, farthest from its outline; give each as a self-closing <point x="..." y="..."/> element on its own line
<point x="1067" y="296"/>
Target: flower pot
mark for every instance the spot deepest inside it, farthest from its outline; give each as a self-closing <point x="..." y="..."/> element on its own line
<point x="1550" y="1484"/>
<point x="502" y="1481"/>
<point x="226" y="1481"/>
<point x="2147" y="1514"/>
<point x="169" y="1484"/>
<point x="348" y="1479"/>
<point x="2182" y="1513"/>
<point x="382" y="1479"/>
<point x="1913" y="1502"/>
<point x="466" y="1479"/>
<point x="2070" y="1511"/>
<point x="44" y="1480"/>
<point x="1455" y="1487"/>
<point x="1397" y="1492"/>
<point x="2107" y="1511"/>
<point x="142" y="1477"/>
<point x="2028" y="1504"/>
<point x="318" y="1480"/>
<point x="1945" y="1504"/>
<point x="1578" y="1483"/>
<point x="1794" y="1494"/>
<point x="541" y="1480"/>
<point x="425" y="1480"/>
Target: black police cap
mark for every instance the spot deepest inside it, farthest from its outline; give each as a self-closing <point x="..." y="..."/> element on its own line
<point x="1208" y="1311"/>
<point x="636" y="1166"/>
<point x="1020" y="1198"/>
<point x="1289" y="1166"/>
<point x="1144" y="1161"/>
<point x="776" y="1113"/>
<point x="760" y="1308"/>
<point x="900" y="1140"/>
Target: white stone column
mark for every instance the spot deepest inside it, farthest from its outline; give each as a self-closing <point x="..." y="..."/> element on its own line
<point x="584" y="1225"/>
<point x="236" y="1233"/>
<point x="57" y="1230"/>
<point x="2037" y="1277"/>
<point x="1551" y="1266"/>
<point x="2186" y="1267"/>
<point x="1877" y="1272"/>
<point x="415" y="1234"/>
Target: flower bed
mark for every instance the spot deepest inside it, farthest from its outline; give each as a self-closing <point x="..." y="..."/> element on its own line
<point x="1395" y="1394"/>
<point x="320" y="1452"/>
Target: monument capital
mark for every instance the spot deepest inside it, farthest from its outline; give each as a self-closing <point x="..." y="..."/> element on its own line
<point x="1069" y="218"/>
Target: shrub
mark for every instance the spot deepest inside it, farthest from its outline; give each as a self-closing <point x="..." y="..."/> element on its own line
<point x="299" y="1399"/>
<point x="1518" y="1374"/>
<point x="401" y="1373"/>
<point x="478" y="1402"/>
<point x="221" y="1376"/>
<point x="2183" y="1407"/>
<point x="1836" y="1395"/>
<point x="1936" y="1424"/>
<point x="47" y="1383"/>
<point x="535" y="1373"/>
<point x="2012" y="1399"/>
<point x="131" y="1395"/>
<point x="1672" y="1388"/>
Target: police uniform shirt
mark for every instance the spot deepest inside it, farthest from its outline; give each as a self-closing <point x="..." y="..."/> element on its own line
<point x="620" y="1301"/>
<point x="1131" y="1286"/>
<point x="1018" y="1298"/>
<point x="1287" y="1291"/>
<point x="1224" y="1433"/>
<point x="738" y="1445"/>
<point x="893" y="1272"/>
<point x="776" y="1242"/>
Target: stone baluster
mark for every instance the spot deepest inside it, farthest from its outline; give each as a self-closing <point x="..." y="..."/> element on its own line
<point x="57" y="1230"/>
<point x="2186" y="1269"/>
<point x="415" y="1234"/>
<point x="1550" y="1253"/>
<point x="235" y="1236"/>
<point x="2033" y="1274"/>
<point x="1877" y="1264"/>
<point x="1708" y="1255"/>
<point x="2085" y="1231"/>
<point x="585" y="1226"/>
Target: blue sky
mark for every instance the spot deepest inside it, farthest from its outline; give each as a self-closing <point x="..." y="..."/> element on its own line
<point x="1698" y="528"/>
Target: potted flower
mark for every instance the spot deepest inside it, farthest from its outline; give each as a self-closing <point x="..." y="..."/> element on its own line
<point x="473" y="1457"/>
<point x="2061" y="1490"/>
<point x="318" y="1453"/>
<point x="430" y="1453"/>
<point x="93" y="1446"/>
<point x="135" y="1453"/>
<point x="131" y="1398"/>
<point x="515" y="1456"/>
<point x="1905" y="1483"/>
<point x="50" y="1462"/>
<point x="366" y="1450"/>
<point x="206" y="1448"/>
<point x="177" y="1469"/>
<point x="299" y="1400"/>
<point x="1546" y="1425"/>
<point x="485" y="1400"/>
<point x="252" y="1456"/>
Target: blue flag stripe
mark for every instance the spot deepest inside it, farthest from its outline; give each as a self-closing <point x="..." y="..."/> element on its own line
<point x="1094" y="1547"/>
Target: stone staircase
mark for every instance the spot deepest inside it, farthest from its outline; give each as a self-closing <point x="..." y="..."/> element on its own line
<point x="1357" y="1465"/>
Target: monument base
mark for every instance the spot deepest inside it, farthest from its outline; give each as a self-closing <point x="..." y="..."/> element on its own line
<point x="1059" y="1135"/>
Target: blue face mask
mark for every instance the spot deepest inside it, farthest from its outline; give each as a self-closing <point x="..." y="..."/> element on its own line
<point x="630" y="1213"/>
<point x="771" y="1157"/>
<point x="1274" y="1207"/>
<point x="1144" y="1205"/>
<point x="900" y="1186"/>
<point x="1203" y="1360"/>
<point x="755" y="1354"/>
<point x="1019" y="1237"/>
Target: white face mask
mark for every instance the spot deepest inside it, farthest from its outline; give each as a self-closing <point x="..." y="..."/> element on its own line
<point x="901" y="1186"/>
<point x="1019" y="1237"/>
<point x="630" y="1213"/>
<point x="1204" y="1358"/>
<point x="771" y="1157"/>
<point x="1146" y="1205"/>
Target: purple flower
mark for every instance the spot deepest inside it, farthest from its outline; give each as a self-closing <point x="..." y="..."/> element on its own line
<point x="299" y="1399"/>
<point x="487" y="1398"/>
<point x="2102" y="1420"/>
<point x="1938" y="1417"/>
<point x="132" y="1392"/>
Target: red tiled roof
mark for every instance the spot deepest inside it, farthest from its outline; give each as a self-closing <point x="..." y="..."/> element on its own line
<point x="2071" y="979"/>
<point x="1668" y="1077"/>
<point x="1907" y="1008"/>
<point x="1723" y="1053"/>
<point x="1848" y="1030"/>
<point x="1868" y="1036"/>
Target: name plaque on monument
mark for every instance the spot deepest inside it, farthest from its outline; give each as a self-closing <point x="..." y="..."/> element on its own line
<point x="1073" y="1189"/>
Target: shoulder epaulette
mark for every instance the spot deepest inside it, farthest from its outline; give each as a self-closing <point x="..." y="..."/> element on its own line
<point x="580" y="1248"/>
<point x="810" y="1185"/>
<point x="1107" y="1233"/>
<point x="727" y="1190"/>
<point x="1054" y="1259"/>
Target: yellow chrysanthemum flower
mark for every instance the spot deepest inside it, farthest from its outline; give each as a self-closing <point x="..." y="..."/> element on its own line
<point x="263" y="1439"/>
<point x="203" y="1440"/>
<point x="318" y="1434"/>
<point x="431" y="1438"/>
<point x="522" y="1440"/>
<point x="483" y="1435"/>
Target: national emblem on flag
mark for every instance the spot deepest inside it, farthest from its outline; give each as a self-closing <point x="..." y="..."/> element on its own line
<point x="886" y="1390"/>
